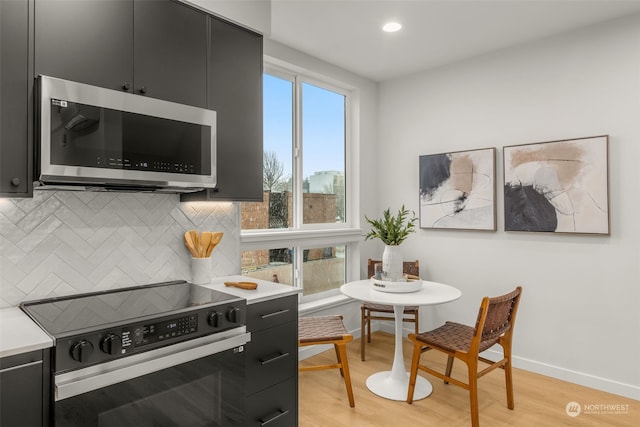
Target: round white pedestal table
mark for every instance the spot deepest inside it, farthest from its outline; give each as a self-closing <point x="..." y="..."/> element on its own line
<point x="394" y="384"/>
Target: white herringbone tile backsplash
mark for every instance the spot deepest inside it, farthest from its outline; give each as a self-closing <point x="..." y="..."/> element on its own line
<point x="67" y="242"/>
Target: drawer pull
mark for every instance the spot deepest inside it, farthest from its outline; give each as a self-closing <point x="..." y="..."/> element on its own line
<point x="276" y="313"/>
<point x="273" y="359"/>
<point x="282" y="413"/>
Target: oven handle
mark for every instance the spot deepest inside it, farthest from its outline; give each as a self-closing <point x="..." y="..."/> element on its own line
<point x="96" y="377"/>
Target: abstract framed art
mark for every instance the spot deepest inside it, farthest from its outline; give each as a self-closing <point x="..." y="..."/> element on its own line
<point x="457" y="190"/>
<point x="557" y="186"/>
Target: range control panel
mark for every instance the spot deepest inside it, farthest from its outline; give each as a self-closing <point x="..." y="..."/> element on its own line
<point x="81" y="350"/>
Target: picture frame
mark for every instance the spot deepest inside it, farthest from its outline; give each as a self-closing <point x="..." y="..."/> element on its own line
<point x="558" y="186"/>
<point x="458" y="190"/>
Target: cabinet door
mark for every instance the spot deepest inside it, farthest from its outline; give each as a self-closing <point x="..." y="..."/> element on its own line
<point x="85" y="41"/>
<point x="170" y="52"/>
<point x="274" y="407"/>
<point x="272" y="356"/>
<point x="21" y="394"/>
<point x="235" y="93"/>
<point x="15" y="158"/>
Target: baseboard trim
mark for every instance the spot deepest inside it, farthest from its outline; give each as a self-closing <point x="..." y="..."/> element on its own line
<point x="575" y="377"/>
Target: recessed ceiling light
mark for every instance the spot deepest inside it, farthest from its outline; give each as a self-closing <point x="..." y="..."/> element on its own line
<point x="391" y="27"/>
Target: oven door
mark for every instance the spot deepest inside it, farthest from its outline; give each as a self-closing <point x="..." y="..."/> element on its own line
<point x="189" y="384"/>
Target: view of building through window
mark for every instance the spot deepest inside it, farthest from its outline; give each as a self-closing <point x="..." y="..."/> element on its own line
<point x="303" y="169"/>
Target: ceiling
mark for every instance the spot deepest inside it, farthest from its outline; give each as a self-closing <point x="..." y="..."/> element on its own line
<point x="348" y="33"/>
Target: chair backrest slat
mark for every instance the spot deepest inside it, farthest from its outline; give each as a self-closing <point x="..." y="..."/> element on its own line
<point x="496" y="317"/>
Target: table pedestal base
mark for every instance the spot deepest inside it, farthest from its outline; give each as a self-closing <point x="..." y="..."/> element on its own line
<point x="385" y="385"/>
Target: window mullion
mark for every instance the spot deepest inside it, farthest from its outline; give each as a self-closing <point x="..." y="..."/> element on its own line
<point x="297" y="153"/>
<point x="298" y="187"/>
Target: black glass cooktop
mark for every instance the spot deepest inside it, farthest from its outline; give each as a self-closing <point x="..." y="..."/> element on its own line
<point x="63" y="315"/>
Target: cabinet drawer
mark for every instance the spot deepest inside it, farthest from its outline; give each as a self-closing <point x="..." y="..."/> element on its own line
<point x="272" y="313"/>
<point x="275" y="406"/>
<point x="272" y="356"/>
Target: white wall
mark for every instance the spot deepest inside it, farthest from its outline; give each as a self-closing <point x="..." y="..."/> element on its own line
<point x="579" y="317"/>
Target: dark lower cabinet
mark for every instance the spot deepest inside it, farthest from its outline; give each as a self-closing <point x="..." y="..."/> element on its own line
<point x="275" y="406"/>
<point x="16" y="106"/>
<point x="272" y="363"/>
<point x="24" y="390"/>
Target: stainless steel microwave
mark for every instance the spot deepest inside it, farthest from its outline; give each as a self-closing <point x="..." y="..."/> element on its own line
<point x="103" y="139"/>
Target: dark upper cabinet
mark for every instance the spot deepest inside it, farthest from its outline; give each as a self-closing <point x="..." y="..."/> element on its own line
<point x="156" y="48"/>
<point x="235" y="93"/>
<point x="15" y="107"/>
<point x="170" y="52"/>
<point x="85" y="41"/>
<point x="166" y="49"/>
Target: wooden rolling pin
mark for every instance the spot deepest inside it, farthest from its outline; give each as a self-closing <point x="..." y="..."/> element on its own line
<point x="243" y="285"/>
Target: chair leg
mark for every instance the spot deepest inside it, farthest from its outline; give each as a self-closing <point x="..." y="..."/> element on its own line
<point x="341" y="350"/>
<point x="473" y="395"/>
<point x="447" y="372"/>
<point x="339" y="357"/>
<point x="369" y="326"/>
<point x="509" y="382"/>
<point x="363" y="333"/>
<point x="417" y="322"/>
<point x="415" y="359"/>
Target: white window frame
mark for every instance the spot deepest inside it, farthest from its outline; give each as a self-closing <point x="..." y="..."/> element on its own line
<point x="304" y="236"/>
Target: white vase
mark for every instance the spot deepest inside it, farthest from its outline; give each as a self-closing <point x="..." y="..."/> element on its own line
<point x="392" y="262"/>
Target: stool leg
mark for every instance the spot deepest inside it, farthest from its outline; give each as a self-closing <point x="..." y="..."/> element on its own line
<point x="344" y="363"/>
<point x="339" y="357"/>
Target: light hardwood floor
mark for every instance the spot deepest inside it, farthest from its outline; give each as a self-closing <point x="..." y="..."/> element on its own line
<point x="539" y="400"/>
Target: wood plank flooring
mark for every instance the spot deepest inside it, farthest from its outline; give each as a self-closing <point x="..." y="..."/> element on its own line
<point x="539" y="400"/>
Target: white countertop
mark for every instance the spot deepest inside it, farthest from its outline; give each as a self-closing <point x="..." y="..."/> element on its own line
<point x="19" y="334"/>
<point x="266" y="290"/>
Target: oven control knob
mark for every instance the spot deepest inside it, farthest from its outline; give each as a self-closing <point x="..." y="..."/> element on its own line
<point x="111" y="344"/>
<point x="233" y="314"/>
<point x="81" y="351"/>
<point x="214" y="318"/>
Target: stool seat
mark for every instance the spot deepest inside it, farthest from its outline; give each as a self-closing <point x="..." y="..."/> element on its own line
<point x="321" y="328"/>
<point x="327" y="330"/>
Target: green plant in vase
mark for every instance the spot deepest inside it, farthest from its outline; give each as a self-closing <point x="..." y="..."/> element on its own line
<point x="392" y="230"/>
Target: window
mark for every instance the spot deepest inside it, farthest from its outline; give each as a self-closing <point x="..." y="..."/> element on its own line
<point x="301" y="233"/>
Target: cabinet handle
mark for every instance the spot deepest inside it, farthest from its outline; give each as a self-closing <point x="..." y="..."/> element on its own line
<point x="143" y="90"/>
<point x="282" y="413"/>
<point x="273" y="359"/>
<point x="126" y="86"/>
<point x="26" y="365"/>
<point x="266" y="316"/>
<point x="16" y="181"/>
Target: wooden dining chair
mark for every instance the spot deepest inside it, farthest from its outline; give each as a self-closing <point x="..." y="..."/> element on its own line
<point x="494" y="325"/>
<point x="327" y="330"/>
<point x="369" y="312"/>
